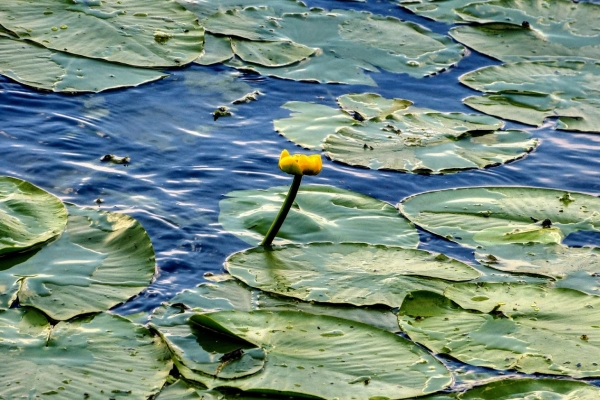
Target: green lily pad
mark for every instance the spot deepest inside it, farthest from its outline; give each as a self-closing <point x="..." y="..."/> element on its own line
<point x="310" y="123"/>
<point x="62" y="72"/>
<point x="319" y="214"/>
<point x="185" y="390"/>
<point x="373" y="132"/>
<point x="513" y="30"/>
<point x="545" y="388"/>
<point x="131" y="32"/>
<point x="498" y="222"/>
<point x="217" y="49"/>
<point x="438" y="10"/>
<point x="304" y="354"/>
<point x="101" y="260"/>
<point x="531" y="92"/>
<point x="371" y="105"/>
<point x="100" y="357"/>
<point x="351" y="273"/>
<point x="500" y="215"/>
<point x="29" y="216"/>
<point x="270" y="54"/>
<point x="351" y="43"/>
<point x="232" y="294"/>
<point x="522" y="327"/>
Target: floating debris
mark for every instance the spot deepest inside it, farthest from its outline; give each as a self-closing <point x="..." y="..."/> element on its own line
<point x="115" y="159"/>
<point x="247" y="98"/>
<point x="222" y="111"/>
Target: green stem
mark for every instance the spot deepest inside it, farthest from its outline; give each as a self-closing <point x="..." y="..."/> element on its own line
<point x="283" y="212"/>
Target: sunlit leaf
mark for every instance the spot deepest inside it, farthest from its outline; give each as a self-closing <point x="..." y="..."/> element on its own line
<point x="231" y="294"/>
<point x="531" y="92"/>
<point x="514" y="30"/>
<point x="217" y="49"/>
<point x="353" y="273"/>
<point x="521" y="327"/>
<point x="319" y="214"/>
<point x="185" y="390"/>
<point x="133" y="32"/>
<point x="371" y="105"/>
<point x="543" y="388"/>
<point x="29" y="215"/>
<point x="102" y="259"/>
<point x="351" y="43"/>
<point x="63" y="72"/>
<point x="439" y="10"/>
<point x="100" y="357"/>
<point x="270" y="54"/>
<point x="501" y="215"/>
<point x="500" y="223"/>
<point x="304" y="353"/>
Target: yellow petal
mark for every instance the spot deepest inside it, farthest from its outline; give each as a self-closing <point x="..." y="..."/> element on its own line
<point x="300" y="164"/>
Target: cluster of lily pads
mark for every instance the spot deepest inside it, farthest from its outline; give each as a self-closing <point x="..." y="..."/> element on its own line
<point x="551" y="52"/>
<point x="373" y="132"/>
<point x="92" y="45"/>
<point x="317" y="314"/>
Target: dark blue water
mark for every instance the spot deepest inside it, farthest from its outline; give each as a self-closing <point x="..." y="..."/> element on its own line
<point x="183" y="162"/>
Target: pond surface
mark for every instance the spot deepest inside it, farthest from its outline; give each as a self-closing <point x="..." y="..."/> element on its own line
<point x="183" y="162"/>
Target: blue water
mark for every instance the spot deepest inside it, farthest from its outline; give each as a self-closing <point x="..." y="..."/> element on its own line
<point x="183" y="162"/>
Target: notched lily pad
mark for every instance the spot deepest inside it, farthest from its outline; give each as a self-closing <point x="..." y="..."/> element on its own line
<point x="353" y="273"/>
<point x="304" y="353"/>
<point x="513" y="30"/>
<point x="29" y="216"/>
<point x="270" y="54"/>
<point x="319" y="214"/>
<point x="85" y="358"/>
<point x="516" y="229"/>
<point x="564" y="90"/>
<point x="101" y="260"/>
<point x="506" y="327"/>
<point x="66" y="73"/>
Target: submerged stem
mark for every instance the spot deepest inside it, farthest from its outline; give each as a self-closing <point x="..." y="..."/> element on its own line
<point x="285" y="208"/>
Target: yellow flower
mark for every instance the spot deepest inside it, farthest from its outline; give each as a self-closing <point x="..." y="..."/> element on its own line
<point x="300" y="164"/>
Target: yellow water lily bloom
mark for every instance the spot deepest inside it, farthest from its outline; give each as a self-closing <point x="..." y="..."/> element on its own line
<point x="300" y="164"/>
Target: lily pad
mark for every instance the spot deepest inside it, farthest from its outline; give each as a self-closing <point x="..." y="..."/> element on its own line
<point x="62" y="72"/>
<point x="499" y="223"/>
<point x="438" y="10"/>
<point x="351" y="43"/>
<point x="522" y="327"/>
<point x="184" y="390"/>
<point x="305" y="354"/>
<point x="270" y="54"/>
<point x="545" y="388"/>
<point x="232" y="294"/>
<point x="217" y="49"/>
<point x="503" y="215"/>
<point x="29" y="216"/>
<point x="513" y="30"/>
<point x="319" y="214"/>
<point x="531" y="92"/>
<point x="310" y="123"/>
<point x="371" y="106"/>
<point x="373" y="132"/>
<point x="351" y="273"/>
<point x="131" y="32"/>
<point x="100" y="357"/>
<point x="102" y="259"/>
